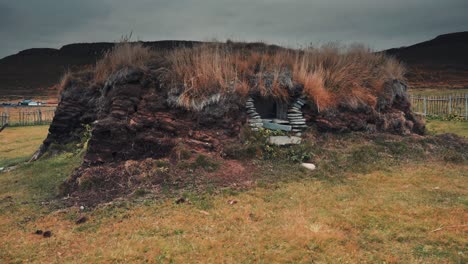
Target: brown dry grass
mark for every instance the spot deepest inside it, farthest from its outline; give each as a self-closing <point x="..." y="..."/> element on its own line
<point x="411" y="214"/>
<point x="331" y="75"/>
<point x="122" y="54"/>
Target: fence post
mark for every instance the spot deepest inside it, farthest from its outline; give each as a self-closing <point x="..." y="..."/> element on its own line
<point x="40" y="116"/>
<point x="466" y="106"/>
<point x="450" y="104"/>
<point x="425" y="106"/>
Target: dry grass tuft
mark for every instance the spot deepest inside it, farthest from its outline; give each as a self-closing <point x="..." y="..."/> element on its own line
<point x="330" y="75"/>
<point x="122" y="54"/>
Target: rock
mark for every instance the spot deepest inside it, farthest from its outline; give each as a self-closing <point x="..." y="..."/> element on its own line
<point x="294" y="123"/>
<point x="280" y="121"/>
<point x="180" y="200"/>
<point x="296" y="105"/>
<point x="284" y="140"/>
<point x="300" y="102"/>
<point x="274" y="126"/>
<point x="47" y="234"/>
<point x="256" y="124"/>
<point x="294" y="110"/>
<point x="308" y="166"/>
<point x="81" y="220"/>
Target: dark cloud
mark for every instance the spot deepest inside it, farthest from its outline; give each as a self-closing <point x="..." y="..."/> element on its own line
<point x="378" y="23"/>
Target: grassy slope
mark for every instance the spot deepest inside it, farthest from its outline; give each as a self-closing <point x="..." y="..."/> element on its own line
<point x="18" y="143"/>
<point x="385" y="215"/>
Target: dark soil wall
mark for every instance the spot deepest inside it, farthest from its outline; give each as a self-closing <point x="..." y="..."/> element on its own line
<point x="133" y="118"/>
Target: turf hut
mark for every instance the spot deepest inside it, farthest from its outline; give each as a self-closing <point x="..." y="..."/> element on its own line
<point x="142" y="107"/>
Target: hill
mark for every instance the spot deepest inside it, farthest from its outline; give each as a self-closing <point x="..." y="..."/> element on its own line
<point x="34" y="72"/>
<point x="438" y="63"/>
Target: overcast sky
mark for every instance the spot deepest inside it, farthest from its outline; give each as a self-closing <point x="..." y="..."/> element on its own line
<point x="380" y="24"/>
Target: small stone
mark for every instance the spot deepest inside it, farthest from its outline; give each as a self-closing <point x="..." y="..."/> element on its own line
<point x="81" y="220"/>
<point x="280" y="121"/>
<point x="297" y="105"/>
<point x="38" y="232"/>
<point x="47" y="234"/>
<point x="294" y="109"/>
<point x="308" y="166"/>
<point x="255" y="121"/>
<point x="180" y="200"/>
<point x="81" y="208"/>
<point x="204" y="212"/>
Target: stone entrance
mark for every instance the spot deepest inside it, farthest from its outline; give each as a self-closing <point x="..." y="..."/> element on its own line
<point x="272" y="114"/>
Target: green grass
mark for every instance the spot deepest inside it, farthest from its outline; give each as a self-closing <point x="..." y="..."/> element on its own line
<point x="439" y="127"/>
<point x="374" y="213"/>
<point x="18" y="144"/>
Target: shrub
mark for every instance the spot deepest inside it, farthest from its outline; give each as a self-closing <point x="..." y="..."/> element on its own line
<point x="122" y="54"/>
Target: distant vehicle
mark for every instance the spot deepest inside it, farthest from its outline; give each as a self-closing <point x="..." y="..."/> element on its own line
<point x="29" y="103"/>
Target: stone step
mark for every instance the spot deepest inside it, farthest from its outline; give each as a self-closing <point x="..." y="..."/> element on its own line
<point x="280" y="121"/>
<point x="274" y="126"/>
<point x="253" y="120"/>
<point x="284" y="140"/>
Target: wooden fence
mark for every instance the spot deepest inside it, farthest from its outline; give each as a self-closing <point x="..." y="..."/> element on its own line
<point x="26" y="117"/>
<point x="440" y="105"/>
<point x="3" y="119"/>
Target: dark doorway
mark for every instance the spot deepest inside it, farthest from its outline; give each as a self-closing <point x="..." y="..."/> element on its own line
<point x="266" y="107"/>
<point x="269" y="108"/>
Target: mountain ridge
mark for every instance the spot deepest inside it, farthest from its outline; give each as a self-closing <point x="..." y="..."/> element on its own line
<point x="441" y="62"/>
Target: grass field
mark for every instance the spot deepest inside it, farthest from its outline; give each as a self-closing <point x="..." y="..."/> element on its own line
<point x="415" y="213"/>
<point x="456" y="127"/>
<point x="17" y="144"/>
<point x="438" y="92"/>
